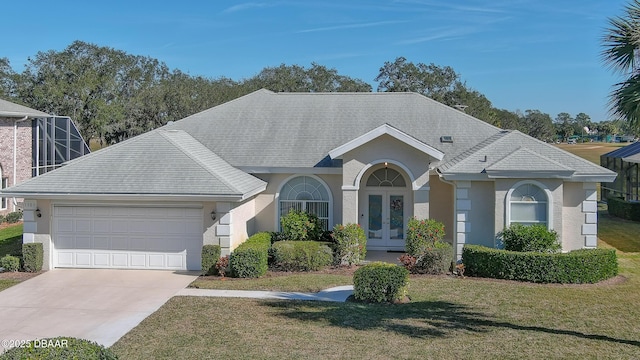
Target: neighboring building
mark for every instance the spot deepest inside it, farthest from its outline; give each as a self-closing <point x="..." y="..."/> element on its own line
<point x="375" y="159"/>
<point x="624" y="161"/>
<point x="31" y="143"/>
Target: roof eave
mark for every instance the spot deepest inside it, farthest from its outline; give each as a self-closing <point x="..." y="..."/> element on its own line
<point x="524" y="174"/>
<point x="129" y="197"/>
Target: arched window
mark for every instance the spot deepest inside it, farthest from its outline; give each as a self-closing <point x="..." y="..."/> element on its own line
<point x="386" y="177"/>
<point x="308" y="194"/>
<point x="3" y="184"/>
<point x="528" y="204"/>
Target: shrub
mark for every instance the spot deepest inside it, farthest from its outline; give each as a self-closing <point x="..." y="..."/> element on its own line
<point x="350" y="244"/>
<point x="578" y="266"/>
<point x="518" y="237"/>
<point x="380" y="282"/>
<point x="60" y="348"/>
<point x="618" y="207"/>
<point x="435" y="261"/>
<point x="301" y="255"/>
<point x="10" y="263"/>
<point x="210" y="255"/>
<point x="250" y="259"/>
<point x="302" y="226"/>
<point x="1" y="219"/>
<point x="422" y="235"/>
<point x="13" y="217"/>
<point x="222" y="265"/>
<point x="32" y="255"/>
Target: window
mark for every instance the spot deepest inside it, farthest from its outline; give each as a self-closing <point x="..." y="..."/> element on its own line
<point x="308" y="194"/>
<point x="3" y="184"/>
<point x="386" y="177"/>
<point x="528" y="204"/>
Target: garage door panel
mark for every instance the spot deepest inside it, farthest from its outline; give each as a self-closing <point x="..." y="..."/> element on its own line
<point x="127" y="237"/>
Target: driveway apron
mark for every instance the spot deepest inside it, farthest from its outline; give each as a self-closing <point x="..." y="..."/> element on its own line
<point x="94" y="304"/>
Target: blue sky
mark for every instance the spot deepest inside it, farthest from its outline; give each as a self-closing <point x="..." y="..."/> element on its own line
<point x="522" y="54"/>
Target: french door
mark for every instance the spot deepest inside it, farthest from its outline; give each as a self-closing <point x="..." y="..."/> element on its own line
<point x="386" y="220"/>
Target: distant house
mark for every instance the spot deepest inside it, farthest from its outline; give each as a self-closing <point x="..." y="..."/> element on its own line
<point x="375" y="159"/>
<point x="31" y="143"/>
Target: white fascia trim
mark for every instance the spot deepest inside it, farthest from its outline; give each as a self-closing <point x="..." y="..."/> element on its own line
<point x="386" y="129"/>
<point x="254" y="192"/>
<point x="593" y="178"/>
<point x="292" y="170"/>
<point x="130" y="197"/>
<point x="458" y="177"/>
<point x="524" y="174"/>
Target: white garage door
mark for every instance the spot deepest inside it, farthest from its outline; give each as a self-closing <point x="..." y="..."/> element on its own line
<point x="127" y="237"/>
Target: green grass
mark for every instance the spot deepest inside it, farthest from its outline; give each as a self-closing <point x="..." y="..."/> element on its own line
<point x="447" y="318"/>
<point x="11" y="240"/>
<point x="312" y="282"/>
<point x="591" y="151"/>
<point x="7" y="283"/>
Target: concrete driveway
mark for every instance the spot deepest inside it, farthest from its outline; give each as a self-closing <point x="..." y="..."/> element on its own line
<point x="94" y="304"/>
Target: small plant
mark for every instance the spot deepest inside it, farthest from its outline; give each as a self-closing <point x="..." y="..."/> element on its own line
<point x="460" y="269"/>
<point x="302" y="226"/>
<point x="350" y="244"/>
<point x="222" y="264"/>
<point x="10" y="263"/>
<point x="32" y="255"/>
<point x="422" y="235"/>
<point x="1" y="219"/>
<point x="381" y="282"/>
<point x="60" y="348"/>
<point x="537" y="238"/>
<point x="13" y="217"/>
<point x="210" y="255"/>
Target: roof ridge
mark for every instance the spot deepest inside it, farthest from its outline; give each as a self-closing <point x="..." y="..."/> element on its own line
<point x="165" y="134"/>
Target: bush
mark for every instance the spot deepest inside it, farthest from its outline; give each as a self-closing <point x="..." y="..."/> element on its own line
<point x="301" y="255"/>
<point x="60" y="348"/>
<point x="422" y="235"/>
<point x="380" y="282"/>
<point x="1" y="219"/>
<point x="618" y="207"/>
<point x="210" y="255"/>
<point x="10" y="263"/>
<point x="538" y="238"/>
<point x="13" y="217"/>
<point x="578" y="266"/>
<point x="301" y="226"/>
<point x="435" y="261"/>
<point x="251" y="258"/>
<point x="32" y="255"/>
<point x="350" y="244"/>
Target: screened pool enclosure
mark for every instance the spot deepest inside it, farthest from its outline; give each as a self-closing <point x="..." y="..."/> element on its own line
<point x="624" y="162"/>
<point x="55" y="140"/>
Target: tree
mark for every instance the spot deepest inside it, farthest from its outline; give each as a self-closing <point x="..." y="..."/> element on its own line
<point x="621" y="43"/>
<point x="7" y="79"/>
<point x="539" y="125"/>
<point x="564" y="125"/>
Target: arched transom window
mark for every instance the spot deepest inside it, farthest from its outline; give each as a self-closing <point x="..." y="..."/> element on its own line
<point x="308" y="194"/>
<point x="386" y="177"/>
<point x="528" y="205"/>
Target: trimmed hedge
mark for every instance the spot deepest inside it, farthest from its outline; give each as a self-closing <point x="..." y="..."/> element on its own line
<point x="301" y="226"/>
<point x="210" y="256"/>
<point x="539" y="238"/>
<point x="13" y="217"/>
<point x="251" y="258"/>
<point x="623" y="209"/>
<point x="434" y="261"/>
<point x="10" y="263"/>
<point x="301" y="255"/>
<point x="350" y="244"/>
<point x="575" y="267"/>
<point x="380" y="282"/>
<point x="60" y="348"/>
<point x="32" y="255"/>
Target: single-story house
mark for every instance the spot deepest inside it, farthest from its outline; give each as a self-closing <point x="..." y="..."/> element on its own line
<point x="375" y="159"/>
<point x="31" y="143"/>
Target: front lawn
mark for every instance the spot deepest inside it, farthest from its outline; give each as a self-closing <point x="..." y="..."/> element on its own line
<point x="11" y="240"/>
<point x="447" y="318"/>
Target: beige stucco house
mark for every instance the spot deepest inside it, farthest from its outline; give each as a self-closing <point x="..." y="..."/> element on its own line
<point x="375" y="159"/>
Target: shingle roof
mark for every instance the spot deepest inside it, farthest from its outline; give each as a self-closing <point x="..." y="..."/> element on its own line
<point x="512" y="150"/>
<point x="9" y="109"/>
<point x="156" y="163"/>
<point x="300" y="129"/>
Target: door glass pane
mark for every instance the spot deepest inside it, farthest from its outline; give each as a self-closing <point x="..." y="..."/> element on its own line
<point x="396" y="217"/>
<point x="375" y="217"/>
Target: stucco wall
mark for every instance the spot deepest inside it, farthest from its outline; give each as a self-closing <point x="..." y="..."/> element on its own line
<point x="481" y="216"/>
<point x="267" y="208"/>
<point x="441" y="204"/>
<point x="23" y="153"/>
<point x="579" y="216"/>
<point x="242" y="222"/>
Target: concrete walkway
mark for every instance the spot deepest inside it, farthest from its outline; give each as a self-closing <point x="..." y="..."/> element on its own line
<point x="336" y="294"/>
<point x="95" y="304"/>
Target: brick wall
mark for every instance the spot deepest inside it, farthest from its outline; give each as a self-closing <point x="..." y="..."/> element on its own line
<point x="24" y="153"/>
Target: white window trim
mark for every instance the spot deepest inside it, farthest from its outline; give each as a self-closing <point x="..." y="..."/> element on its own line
<point x="285" y="181"/>
<point x="541" y="186"/>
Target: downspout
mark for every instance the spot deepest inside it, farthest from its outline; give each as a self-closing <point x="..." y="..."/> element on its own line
<point x="15" y="155"/>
